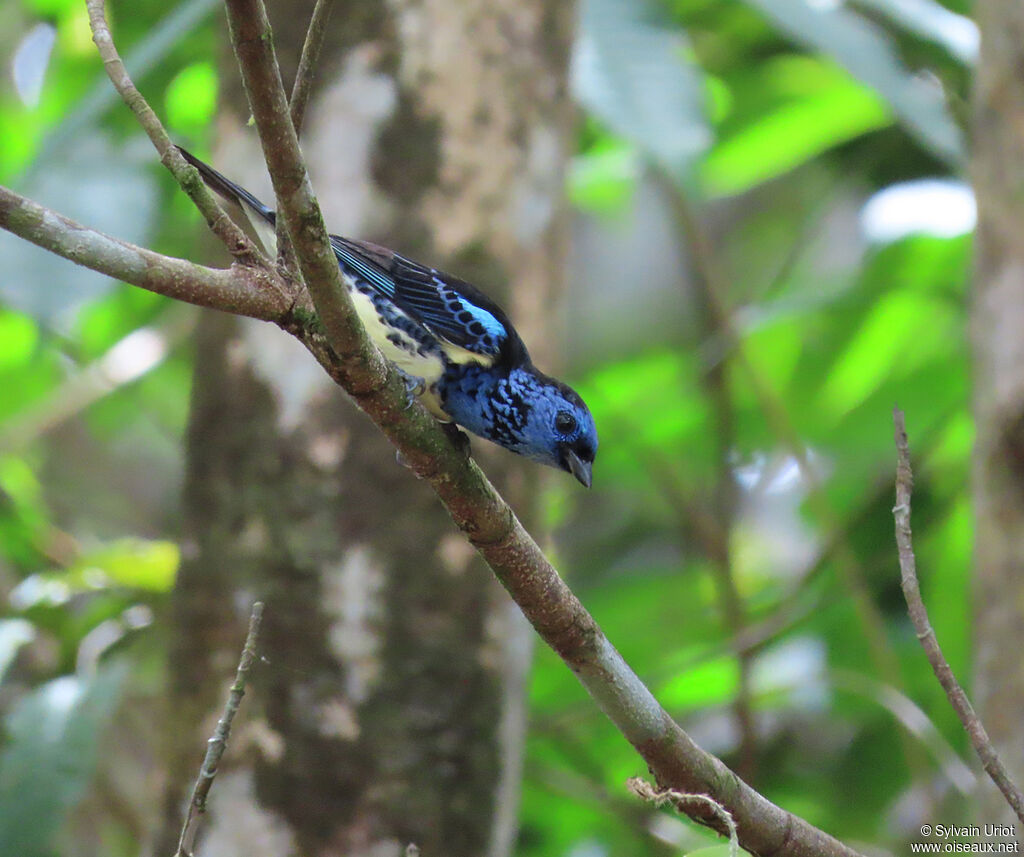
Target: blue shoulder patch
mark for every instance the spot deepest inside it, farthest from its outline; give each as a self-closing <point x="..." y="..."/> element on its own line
<point x="451" y="310"/>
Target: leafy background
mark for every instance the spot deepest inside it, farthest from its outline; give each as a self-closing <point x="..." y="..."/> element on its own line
<point x="770" y="192"/>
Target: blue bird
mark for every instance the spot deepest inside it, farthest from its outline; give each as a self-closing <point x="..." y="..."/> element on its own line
<point x="464" y="358"/>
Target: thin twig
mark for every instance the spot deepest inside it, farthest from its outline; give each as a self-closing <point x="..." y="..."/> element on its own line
<point x="926" y="634"/>
<point x="307" y="63"/>
<point x="219" y="741"/>
<point x="187" y="176"/>
<point x="684" y="803"/>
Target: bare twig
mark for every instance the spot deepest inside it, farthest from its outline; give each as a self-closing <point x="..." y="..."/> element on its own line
<point x="250" y="291"/>
<point x="187" y="176"/>
<point x="926" y="634"/>
<point x="307" y="63"/>
<point x="219" y="741"/>
<point x="685" y="803"/>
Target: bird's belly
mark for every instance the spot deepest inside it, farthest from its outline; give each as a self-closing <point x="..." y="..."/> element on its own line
<point x="401" y="340"/>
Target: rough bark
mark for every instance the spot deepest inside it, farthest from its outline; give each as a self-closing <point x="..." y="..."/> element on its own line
<point x="385" y="713"/>
<point x="998" y="342"/>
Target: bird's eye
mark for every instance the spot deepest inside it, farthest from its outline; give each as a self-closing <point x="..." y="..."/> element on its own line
<point x="565" y="423"/>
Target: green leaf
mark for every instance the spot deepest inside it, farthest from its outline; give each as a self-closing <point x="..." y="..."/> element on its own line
<point x="653" y="403"/>
<point x="602" y="179"/>
<point x="636" y="75"/>
<point x="775" y="349"/>
<point x="136" y="563"/>
<point x="929" y="19"/>
<point x="904" y="331"/>
<point x="104" y="322"/>
<point x="18" y="339"/>
<point x="21" y="492"/>
<point x="192" y="98"/>
<point x="51" y="7"/>
<point x="708" y="684"/>
<point x="793" y="132"/>
<point x="133" y="563"/>
<point x="24" y="516"/>
<point x="867" y="53"/>
<point x="50" y="756"/>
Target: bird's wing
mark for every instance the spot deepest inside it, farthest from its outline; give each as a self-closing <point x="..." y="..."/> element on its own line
<point x="451" y="309"/>
<point x="470" y="326"/>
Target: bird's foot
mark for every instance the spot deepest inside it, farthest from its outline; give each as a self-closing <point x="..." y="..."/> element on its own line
<point x="401" y="459"/>
<point x="459" y="439"/>
<point x="414" y="387"/>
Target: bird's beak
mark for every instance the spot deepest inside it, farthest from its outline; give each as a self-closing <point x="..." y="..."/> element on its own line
<point x="577" y="467"/>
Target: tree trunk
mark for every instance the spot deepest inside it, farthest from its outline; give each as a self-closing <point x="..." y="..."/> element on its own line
<point x="390" y="702"/>
<point x="998" y="334"/>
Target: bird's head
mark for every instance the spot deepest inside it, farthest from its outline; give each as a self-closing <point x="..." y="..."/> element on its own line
<point x="560" y="431"/>
<point x="526" y="412"/>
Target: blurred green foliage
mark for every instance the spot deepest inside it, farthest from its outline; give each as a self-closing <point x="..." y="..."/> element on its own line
<point x="746" y="442"/>
<point x="50" y="754"/>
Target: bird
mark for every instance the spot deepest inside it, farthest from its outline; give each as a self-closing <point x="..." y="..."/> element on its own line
<point x="459" y="351"/>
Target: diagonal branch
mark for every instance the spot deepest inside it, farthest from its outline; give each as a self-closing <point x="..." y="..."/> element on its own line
<point x="990" y="760"/>
<point x="252" y="292"/>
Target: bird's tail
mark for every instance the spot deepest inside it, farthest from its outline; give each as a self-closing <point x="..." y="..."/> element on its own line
<point x="259" y="216"/>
